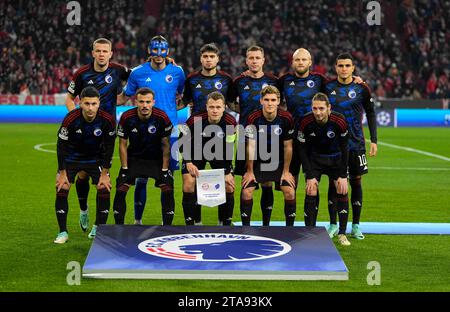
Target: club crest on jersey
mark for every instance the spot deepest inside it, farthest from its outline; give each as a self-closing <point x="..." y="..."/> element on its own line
<point x="331" y="134"/>
<point x="214" y="247"/>
<point x="98" y="132"/>
<point x="169" y="78"/>
<point x="352" y="94"/>
<point x="151" y="129"/>
<point x="278" y="131"/>
<point x="218" y="85"/>
<point x="310" y="83"/>
<point x="108" y="79"/>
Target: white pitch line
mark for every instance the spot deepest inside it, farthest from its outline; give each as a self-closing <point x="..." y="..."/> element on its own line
<point x="411" y="168"/>
<point x="413" y="150"/>
<point x="38" y="147"/>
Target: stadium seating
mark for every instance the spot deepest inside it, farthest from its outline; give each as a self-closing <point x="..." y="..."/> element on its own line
<point x="406" y="57"/>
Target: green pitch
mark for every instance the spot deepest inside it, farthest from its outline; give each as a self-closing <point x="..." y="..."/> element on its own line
<point x="402" y="186"/>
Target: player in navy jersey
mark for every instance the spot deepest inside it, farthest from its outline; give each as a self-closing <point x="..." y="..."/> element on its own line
<point x="323" y="136"/>
<point x="214" y="126"/>
<point x="107" y="78"/>
<point x="85" y="144"/>
<point x="248" y="88"/>
<point x="298" y="88"/>
<point x="352" y="100"/>
<point x="201" y="83"/>
<point x="167" y="80"/>
<point x="269" y="132"/>
<point x="147" y="129"/>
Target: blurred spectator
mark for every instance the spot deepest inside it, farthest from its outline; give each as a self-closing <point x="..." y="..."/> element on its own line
<point x="410" y="60"/>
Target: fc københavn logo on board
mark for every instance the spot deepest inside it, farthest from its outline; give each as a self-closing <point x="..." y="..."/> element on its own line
<point x="214" y="247"/>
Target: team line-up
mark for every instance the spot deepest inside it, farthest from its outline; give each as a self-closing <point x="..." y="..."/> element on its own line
<point x="298" y="120"/>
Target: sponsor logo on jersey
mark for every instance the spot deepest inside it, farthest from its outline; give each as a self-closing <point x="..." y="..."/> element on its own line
<point x="79" y="131"/>
<point x="98" y="132"/>
<point x="108" y="79"/>
<point x="134" y="130"/>
<point x="148" y="79"/>
<point x="198" y="86"/>
<point x="292" y="83"/>
<point x="246" y="87"/>
<point x="333" y="93"/>
<point x="90" y="82"/>
<point x="214" y="247"/>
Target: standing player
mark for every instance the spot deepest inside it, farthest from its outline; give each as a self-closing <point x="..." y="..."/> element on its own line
<point x="201" y="83"/>
<point x="325" y="152"/>
<point x="351" y="100"/>
<point x="167" y="80"/>
<point x="85" y="144"/>
<point x="269" y="129"/>
<point x="107" y="78"/>
<point x="248" y="88"/>
<point x="148" y="129"/>
<point x="217" y="127"/>
<point x="298" y="89"/>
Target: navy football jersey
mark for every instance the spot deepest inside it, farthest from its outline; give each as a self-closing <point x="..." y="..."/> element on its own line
<point x="248" y="91"/>
<point x="269" y="135"/>
<point x="224" y="131"/>
<point x="108" y="83"/>
<point x="144" y="135"/>
<point x="352" y="100"/>
<point x="197" y="87"/>
<point x="325" y="141"/>
<point x="82" y="142"/>
<point x="298" y="92"/>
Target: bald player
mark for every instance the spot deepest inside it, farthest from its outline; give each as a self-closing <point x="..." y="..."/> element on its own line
<point x="298" y="88"/>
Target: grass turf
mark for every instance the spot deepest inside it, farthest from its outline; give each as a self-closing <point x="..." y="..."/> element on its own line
<point x="31" y="262"/>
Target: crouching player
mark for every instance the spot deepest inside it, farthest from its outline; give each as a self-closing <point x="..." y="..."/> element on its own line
<point x="269" y="131"/>
<point x="147" y="129"/>
<point x="323" y="140"/>
<point x="85" y="145"/>
<point x="214" y="129"/>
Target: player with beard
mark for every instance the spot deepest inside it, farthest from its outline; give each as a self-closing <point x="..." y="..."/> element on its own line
<point x="107" y="77"/>
<point x="201" y="83"/>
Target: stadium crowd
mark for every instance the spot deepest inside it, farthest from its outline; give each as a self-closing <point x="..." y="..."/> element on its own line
<point x="40" y="51"/>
